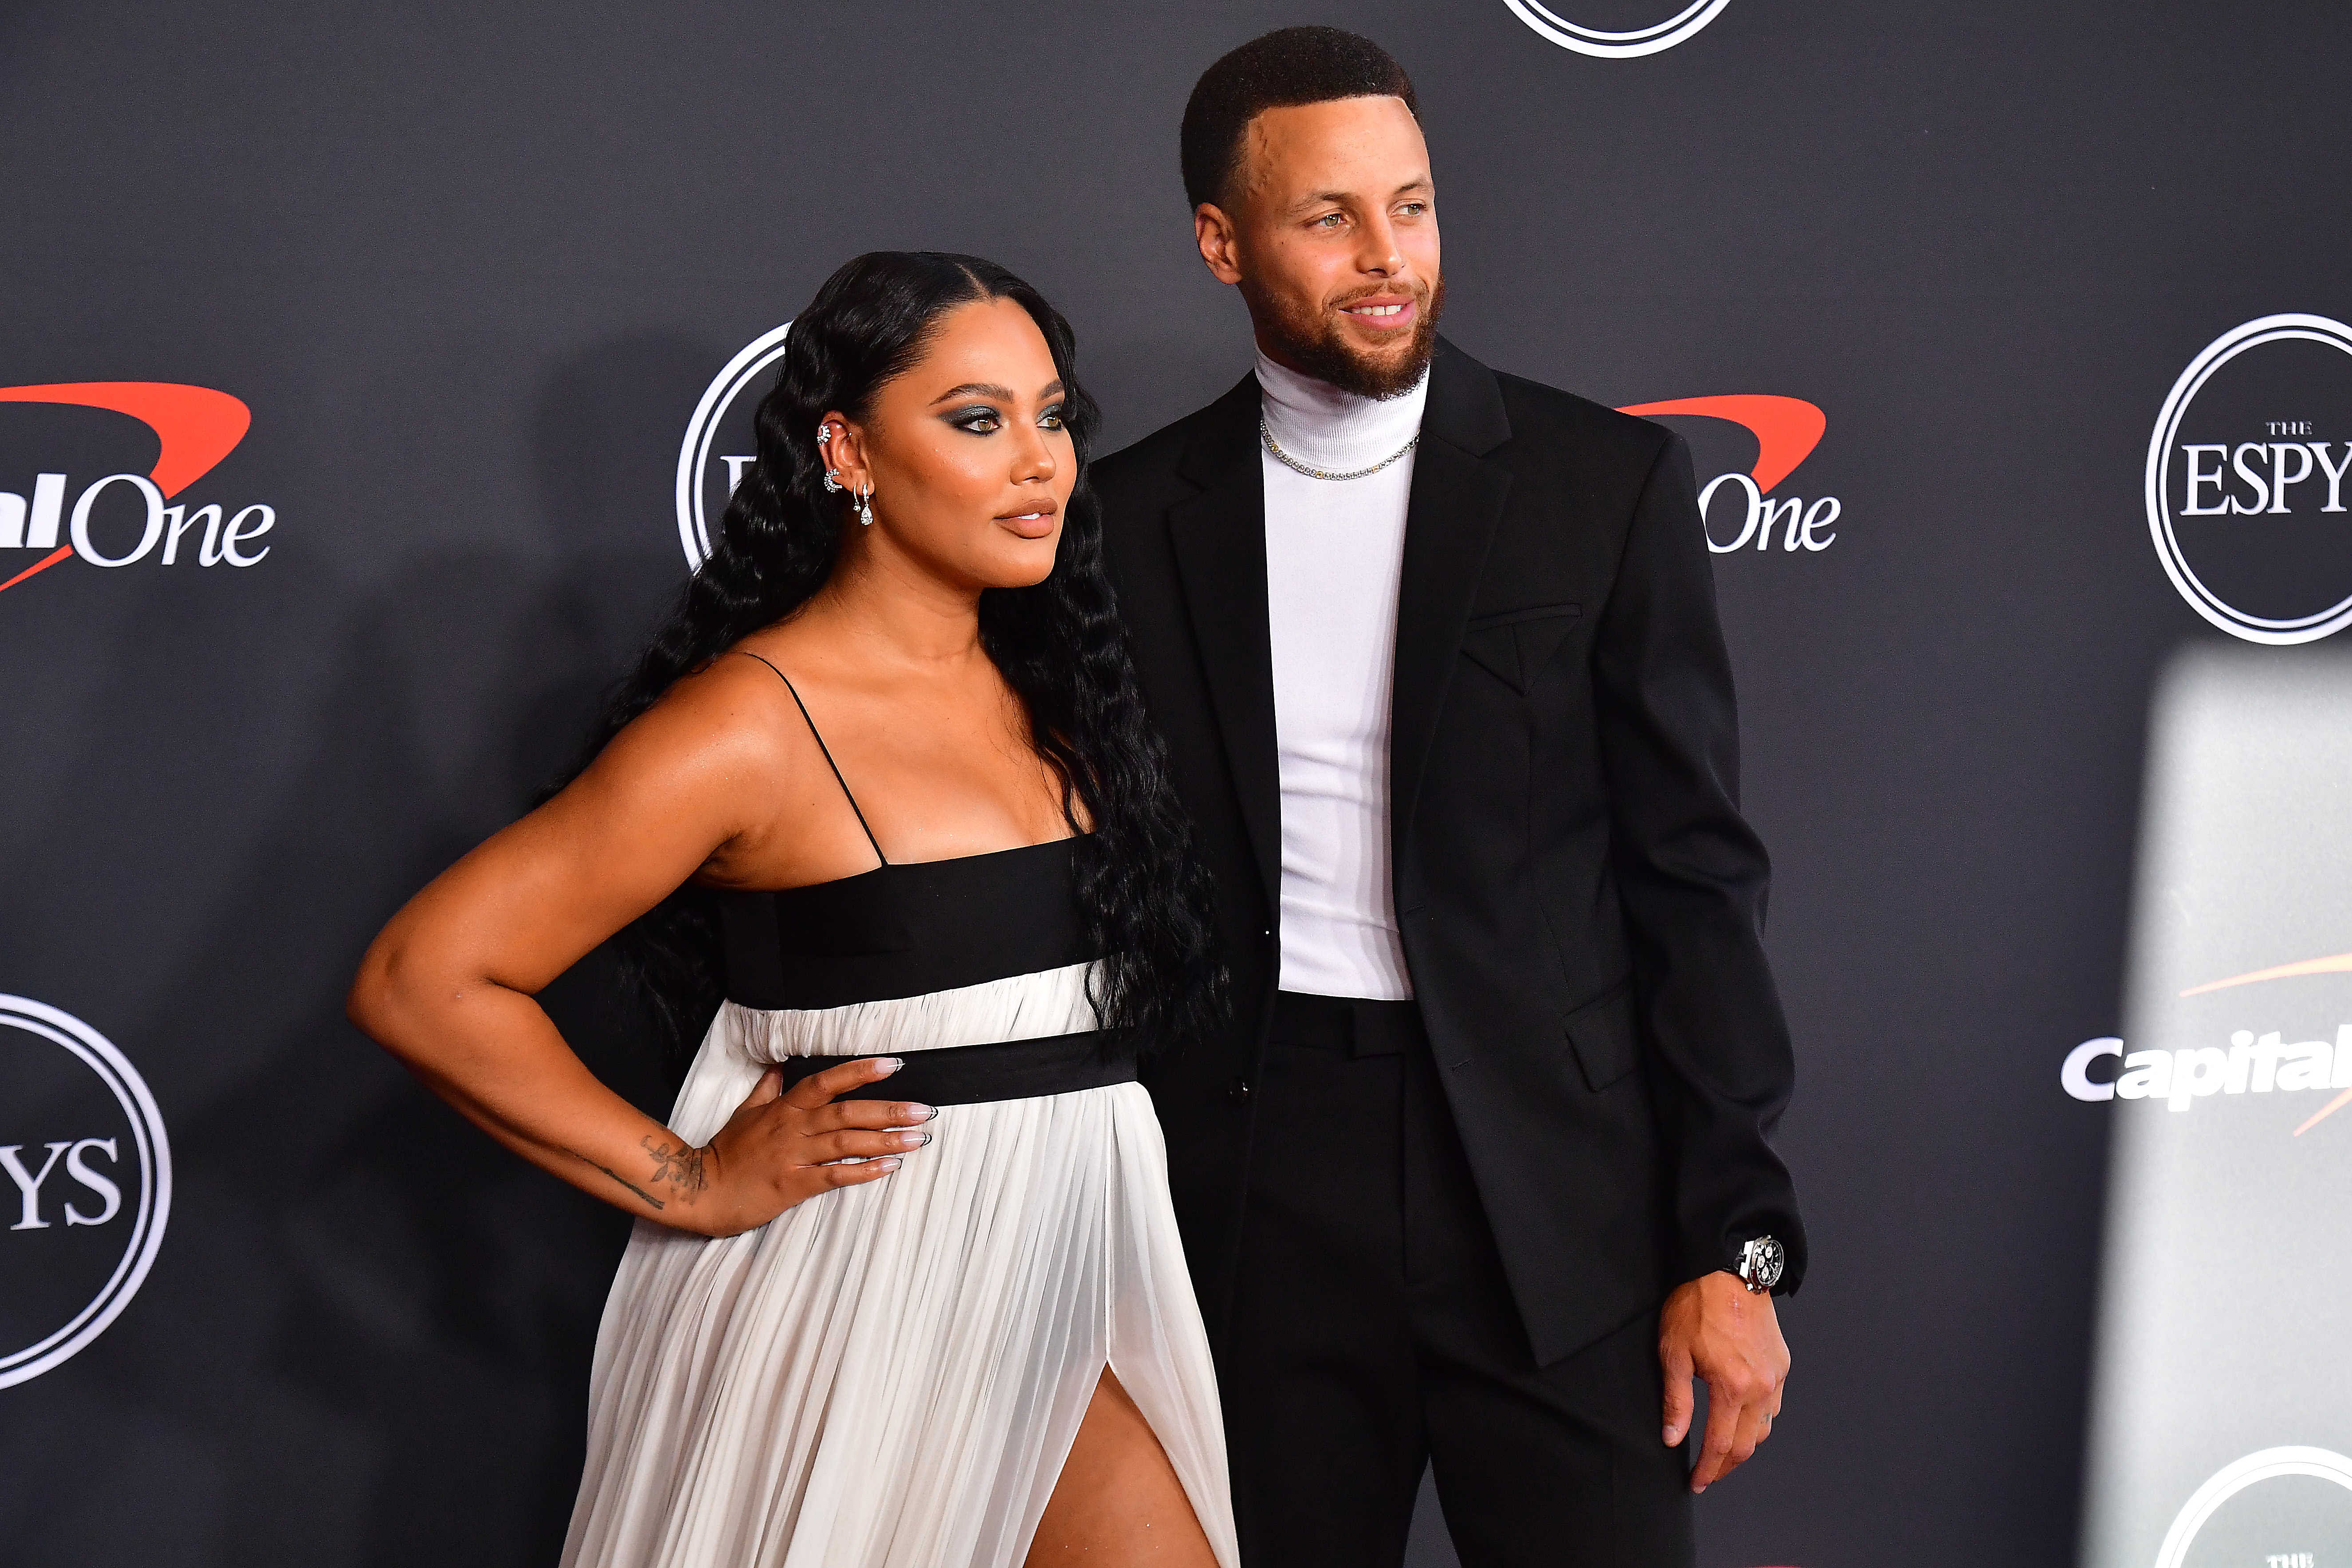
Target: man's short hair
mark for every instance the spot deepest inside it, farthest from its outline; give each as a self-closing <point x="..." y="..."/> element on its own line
<point x="1291" y="66"/>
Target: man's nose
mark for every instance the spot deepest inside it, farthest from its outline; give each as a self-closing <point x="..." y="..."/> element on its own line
<point x="1379" y="254"/>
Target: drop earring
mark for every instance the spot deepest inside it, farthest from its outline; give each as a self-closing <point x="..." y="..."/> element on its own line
<point x="865" y="503"/>
<point x="832" y="474"/>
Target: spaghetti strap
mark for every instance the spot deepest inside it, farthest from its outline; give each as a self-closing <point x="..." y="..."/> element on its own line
<point x="819" y="736"/>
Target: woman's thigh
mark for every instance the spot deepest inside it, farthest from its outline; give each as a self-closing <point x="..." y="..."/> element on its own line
<point x="1119" y="1500"/>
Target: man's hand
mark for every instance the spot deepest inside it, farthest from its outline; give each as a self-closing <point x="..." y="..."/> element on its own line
<point x="1730" y="1336"/>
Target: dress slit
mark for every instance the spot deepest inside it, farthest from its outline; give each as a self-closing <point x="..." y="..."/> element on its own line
<point x="1191" y="1500"/>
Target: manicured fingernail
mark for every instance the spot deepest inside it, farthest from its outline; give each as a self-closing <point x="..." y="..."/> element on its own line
<point x="919" y="1113"/>
<point x="889" y="1161"/>
<point x="913" y="1140"/>
<point x="1696" y="1490"/>
<point x="891" y="1064"/>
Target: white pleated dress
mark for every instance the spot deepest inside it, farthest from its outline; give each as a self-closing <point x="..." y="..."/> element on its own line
<point x="890" y="1376"/>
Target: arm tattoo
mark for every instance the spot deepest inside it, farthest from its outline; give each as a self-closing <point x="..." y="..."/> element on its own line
<point x="679" y="1164"/>
<point x="631" y="1186"/>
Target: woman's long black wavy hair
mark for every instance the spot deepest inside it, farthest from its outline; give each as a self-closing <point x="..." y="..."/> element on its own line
<point x="1059" y="645"/>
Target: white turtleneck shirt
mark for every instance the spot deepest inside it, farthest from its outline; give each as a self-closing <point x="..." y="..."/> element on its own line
<point x="1334" y="557"/>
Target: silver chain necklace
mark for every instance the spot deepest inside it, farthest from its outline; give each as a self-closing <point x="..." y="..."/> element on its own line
<point x="1287" y="460"/>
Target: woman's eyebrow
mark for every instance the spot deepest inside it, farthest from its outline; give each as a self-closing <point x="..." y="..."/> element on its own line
<point x="976" y="389"/>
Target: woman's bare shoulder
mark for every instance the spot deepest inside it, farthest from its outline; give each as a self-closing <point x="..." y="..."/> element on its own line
<point x="721" y="723"/>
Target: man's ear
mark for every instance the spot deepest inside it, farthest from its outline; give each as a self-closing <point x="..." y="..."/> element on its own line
<point x="1219" y="242"/>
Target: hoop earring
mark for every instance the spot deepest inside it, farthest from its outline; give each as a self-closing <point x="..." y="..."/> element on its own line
<point x="865" y="503"/>
<point x="832" y="474"/>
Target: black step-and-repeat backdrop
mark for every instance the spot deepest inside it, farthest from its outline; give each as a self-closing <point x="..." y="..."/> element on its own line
<point x="366" y="374"/>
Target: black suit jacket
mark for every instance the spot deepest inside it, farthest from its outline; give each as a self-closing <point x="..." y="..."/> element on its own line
<point x="1579" y="900"/>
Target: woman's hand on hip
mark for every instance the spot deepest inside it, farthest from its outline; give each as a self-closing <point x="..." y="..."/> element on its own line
<point x="782" y="1148"/>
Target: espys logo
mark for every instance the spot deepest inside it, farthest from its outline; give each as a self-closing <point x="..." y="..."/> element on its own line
<point x="120" y="518"/>
<point x="2280" y="1507"/>
<point x="1787" y="429"/>
<point x="1618" y="40"/>
<point x="720" y="445"/>
<point x="2265" y="1063"/>
<point x="2245" y="481"/>
<point x="722" y="423"/>
<point x="83" y="1150"/>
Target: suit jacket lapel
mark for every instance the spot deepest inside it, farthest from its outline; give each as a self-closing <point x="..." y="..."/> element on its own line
<point x="1450" y="520"/>
<point x="1219" y="538"/>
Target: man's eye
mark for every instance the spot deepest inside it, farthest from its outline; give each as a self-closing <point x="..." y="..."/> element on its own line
<point x="1329" y="220"/>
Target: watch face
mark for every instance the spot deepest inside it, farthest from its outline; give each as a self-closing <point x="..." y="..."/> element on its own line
<point x="1765" y="1261"/>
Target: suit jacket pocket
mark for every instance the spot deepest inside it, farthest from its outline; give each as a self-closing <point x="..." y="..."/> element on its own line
<point x="1603" y="1035"/>
<point x="1512" y="644"/>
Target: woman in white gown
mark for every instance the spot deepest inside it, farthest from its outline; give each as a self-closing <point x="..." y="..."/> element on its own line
<point x="905" y="1288"/>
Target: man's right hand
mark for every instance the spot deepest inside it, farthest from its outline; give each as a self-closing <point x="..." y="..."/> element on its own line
<point x="1714" y="1327"/>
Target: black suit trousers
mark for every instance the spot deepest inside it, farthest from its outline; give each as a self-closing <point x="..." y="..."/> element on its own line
<point x="1373" y="1332"/>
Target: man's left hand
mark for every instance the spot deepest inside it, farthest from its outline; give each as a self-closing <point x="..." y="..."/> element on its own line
<point x="1716" y="1327"/>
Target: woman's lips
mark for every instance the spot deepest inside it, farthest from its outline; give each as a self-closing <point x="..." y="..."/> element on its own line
<point x="1032" y="524"/>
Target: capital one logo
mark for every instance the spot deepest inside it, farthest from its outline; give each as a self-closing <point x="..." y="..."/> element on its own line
<point x="115" y="520"/>
<point x="1617" y="41"/>
<point x="2246" y="481"/>
<point x="85" y="1185"/>
<point x="1786" y="429"/>
<point x="2255" y="1062"/>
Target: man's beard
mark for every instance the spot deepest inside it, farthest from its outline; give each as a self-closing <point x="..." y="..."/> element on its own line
<point x="1309" y="340"/>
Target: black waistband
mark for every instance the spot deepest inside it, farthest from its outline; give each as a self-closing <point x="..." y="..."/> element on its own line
<point x="1355" y="1026"/>
<point x="1010" y="1069"/>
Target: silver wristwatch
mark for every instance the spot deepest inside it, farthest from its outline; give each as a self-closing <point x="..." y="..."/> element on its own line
<point x="1761" y="1262"/>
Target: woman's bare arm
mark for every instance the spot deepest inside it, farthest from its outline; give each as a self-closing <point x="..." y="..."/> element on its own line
<point x="448" y="986"/>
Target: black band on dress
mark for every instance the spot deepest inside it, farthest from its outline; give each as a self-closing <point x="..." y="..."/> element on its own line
<point x="905" y="929"/>
<point x="1012" y="1069"/>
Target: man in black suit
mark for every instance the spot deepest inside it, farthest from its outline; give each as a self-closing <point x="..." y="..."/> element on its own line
<point x="1478" y="1176"/>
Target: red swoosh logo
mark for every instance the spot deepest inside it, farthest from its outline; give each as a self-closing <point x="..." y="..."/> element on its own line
<point x="2335" y="963"/>
<point x="196" y="426"/>
<point x="2341" y="964"/>
<point x="1786" y="429"/>
<point x="2324" y="1111"/>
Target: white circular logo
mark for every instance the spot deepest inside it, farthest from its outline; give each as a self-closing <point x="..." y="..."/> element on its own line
<point x="2301" y="1517"/>
<point x="1609" y="43"/>
<point x="2246" y="481"/>
<point x="718" y="443"/>
<point x="86" y="1187"/>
